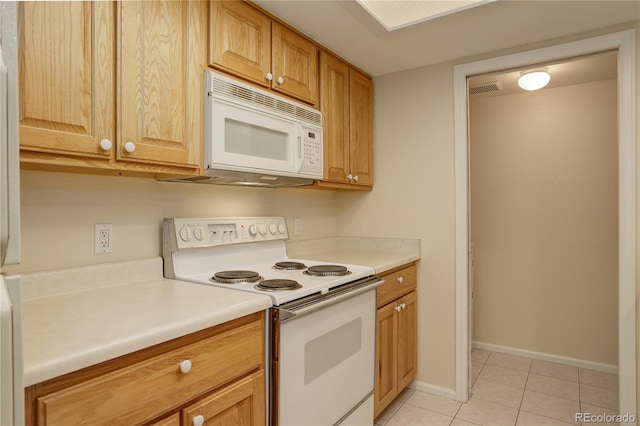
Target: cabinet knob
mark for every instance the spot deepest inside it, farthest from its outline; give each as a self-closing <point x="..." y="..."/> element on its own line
<point x="185" y="366"/>
<point x="129" y="147"/>
<point x="280" y="80"/>
<point x="269" y="76"/>
<point x="403" y="306"/>
<point x="198" y="420"/>
<point x="400" y="280"/>
<point x="398" y="308"/>
<point x="350" y="177"/>
<point x="106" y="144"/>
<point x="355" y="178"/>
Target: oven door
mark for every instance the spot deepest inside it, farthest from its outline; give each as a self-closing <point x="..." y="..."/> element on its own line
<point x="326" y="358"/>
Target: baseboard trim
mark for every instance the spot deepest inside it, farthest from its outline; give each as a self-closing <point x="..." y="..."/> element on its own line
<point x="433" y="389"/>
<point x="606" y="368"/>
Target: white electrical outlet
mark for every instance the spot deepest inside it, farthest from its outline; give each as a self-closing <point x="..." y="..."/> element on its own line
<point x="297" y="226"/>
<point x="103" y="238"/>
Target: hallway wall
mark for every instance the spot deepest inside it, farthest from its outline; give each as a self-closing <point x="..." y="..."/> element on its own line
<point x="544" y="221"/>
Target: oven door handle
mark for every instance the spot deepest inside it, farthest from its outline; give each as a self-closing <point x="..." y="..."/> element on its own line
<point x="315" y="302"/>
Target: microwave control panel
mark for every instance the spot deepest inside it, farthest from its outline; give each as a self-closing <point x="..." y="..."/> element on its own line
<point x="312" y="152"/>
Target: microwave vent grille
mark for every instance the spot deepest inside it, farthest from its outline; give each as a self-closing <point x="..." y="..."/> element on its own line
<point x="266" y="101"/>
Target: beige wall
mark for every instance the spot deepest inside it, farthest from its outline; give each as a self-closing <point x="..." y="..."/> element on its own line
<point x="59" y="212"/>
<point x="413" y="197"/>
<point x="544" y="220"/>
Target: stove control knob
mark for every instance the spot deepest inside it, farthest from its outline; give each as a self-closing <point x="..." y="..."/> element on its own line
<point x="253" y="230"/>
<point x="273" y="228"/>
<point x="281" y="228"/>
<point x="198" y="233"/>
<point x="185" y="233"/>
<point x="262" y="228"/>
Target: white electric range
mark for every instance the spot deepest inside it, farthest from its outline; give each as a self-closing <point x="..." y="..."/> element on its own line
<point x="321" y="328"/>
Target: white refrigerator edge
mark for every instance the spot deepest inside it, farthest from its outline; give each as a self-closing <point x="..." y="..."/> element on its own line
<point x="11" y="368"/>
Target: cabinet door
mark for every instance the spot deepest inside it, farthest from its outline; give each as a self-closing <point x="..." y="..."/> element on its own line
<point x="66" y="77"/>
<point x="240" y="40"/>
<point x="173" y="420"/>
<point x="334" y="105"/>
<point x="295" y="60"/>
<point x="361" y="126"/>
<point x="241" y="403"/>
<point x="386" y="359"/>
<point x="407" y="339"/>
<point x="160" y="101"/>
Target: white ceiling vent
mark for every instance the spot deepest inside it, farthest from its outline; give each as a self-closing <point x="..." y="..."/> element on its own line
<point x="487" y="87"/>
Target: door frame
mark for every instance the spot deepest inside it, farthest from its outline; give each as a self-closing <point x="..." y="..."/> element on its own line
<point x="624" y="43"/>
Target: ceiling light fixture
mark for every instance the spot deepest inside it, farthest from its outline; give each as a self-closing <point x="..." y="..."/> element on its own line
<point x="534" y="80"/>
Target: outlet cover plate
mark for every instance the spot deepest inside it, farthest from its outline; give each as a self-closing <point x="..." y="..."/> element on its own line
<point x="103" y="238"/>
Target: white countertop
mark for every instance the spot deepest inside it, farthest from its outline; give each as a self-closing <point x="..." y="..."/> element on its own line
<point x="382" y="254"/>
<point x="65" y="330"/>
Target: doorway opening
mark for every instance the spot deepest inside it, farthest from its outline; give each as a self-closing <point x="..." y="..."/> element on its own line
<point x="624" y="44"/>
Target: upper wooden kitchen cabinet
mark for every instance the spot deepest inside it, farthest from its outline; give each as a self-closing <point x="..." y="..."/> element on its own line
<point x="160" y="75"/>
<point x="247" y="43"/>
<point x="67" y="77"/>
<point x="346" y="102"/>
<point x="95" y="76"/>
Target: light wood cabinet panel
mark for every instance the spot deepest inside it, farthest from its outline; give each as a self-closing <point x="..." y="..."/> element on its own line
<point x="346" y="102"/>
<point x="294" y="60"/>
<point x="249" y="44"/>
<point x="66" y="68"/>
<point x="240" y="40"/>
<point x="241" y="404"/>
<point x="361" y="128"/>
<point x="335" y="116"/>
<point x="386" y="384"/>
<point x="153" y="385"/>
<point x="407" y="340"/>
<point x="396" y="338"/>
<point x="173" y="420"/>
<point x="160" y="73"/>
<point x="397" y="283"/>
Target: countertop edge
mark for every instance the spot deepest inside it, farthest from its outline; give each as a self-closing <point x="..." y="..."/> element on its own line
<point x="51" y="367"/>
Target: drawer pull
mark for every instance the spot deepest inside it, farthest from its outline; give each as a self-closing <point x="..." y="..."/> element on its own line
<point x="400" y="280"/>
<point x="185" y="366"/>
<point x="198" y="420"/>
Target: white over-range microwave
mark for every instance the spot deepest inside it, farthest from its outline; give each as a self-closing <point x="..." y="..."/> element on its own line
<point x="254" y="137"/>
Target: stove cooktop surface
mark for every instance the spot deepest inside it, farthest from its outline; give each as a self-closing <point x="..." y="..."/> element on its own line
<point x="309" y="284"/>
<point x="251" y="249"/>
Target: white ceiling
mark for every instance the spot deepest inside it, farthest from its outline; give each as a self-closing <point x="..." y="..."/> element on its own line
<point x="347" y="29"/>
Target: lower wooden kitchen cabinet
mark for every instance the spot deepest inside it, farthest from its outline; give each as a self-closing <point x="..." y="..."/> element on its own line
<point x="396" y="335"/>
<point x="213" y="377"/>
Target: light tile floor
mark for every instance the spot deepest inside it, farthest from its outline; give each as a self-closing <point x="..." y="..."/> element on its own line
<point x="511" y="390"/>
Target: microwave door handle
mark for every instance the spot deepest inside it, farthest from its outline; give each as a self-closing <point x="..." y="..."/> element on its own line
<point x="299" y="135"/>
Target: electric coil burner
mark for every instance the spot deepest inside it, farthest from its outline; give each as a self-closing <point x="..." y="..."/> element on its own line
<point x="289" y="266"/>
<point x="277" y="284"/>
<point x="327" y="271"/>
<point x="235" y="277"/>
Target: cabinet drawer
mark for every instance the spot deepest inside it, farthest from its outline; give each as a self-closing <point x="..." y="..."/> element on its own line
<point x="397" y="284"/>
<point x="142" y="391"/>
